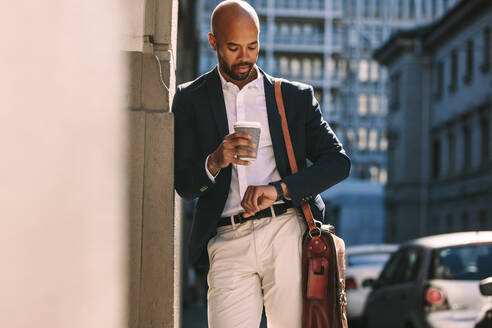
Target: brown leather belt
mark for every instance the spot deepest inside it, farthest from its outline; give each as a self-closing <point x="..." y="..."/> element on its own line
<point x="278" y="209"/>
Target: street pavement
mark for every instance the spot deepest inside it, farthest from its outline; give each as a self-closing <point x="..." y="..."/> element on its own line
<point x="195" y="316"/>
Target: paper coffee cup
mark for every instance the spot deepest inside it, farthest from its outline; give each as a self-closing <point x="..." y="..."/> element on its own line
<point x="253" y="129"/>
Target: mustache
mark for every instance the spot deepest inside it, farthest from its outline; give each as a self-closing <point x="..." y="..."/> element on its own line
<point x="242" y="64"/>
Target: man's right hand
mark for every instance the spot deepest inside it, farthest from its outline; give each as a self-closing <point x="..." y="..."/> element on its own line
<point x="227" y="152"/>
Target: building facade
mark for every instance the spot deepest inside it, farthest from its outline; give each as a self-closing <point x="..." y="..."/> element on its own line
<point x="329" y="44"/>
<point x="439" y="122"/>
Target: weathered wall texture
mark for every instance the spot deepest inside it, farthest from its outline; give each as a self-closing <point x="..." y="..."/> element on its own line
<point x="153" y="231"/>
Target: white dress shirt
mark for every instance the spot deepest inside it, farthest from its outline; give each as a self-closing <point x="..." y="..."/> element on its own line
<point x="248" y="104"/>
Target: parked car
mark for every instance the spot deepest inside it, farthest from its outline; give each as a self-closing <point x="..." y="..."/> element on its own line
<point x="364" y="263"/>
<point x="484" y="319"/>
<point x="432" y="282"/>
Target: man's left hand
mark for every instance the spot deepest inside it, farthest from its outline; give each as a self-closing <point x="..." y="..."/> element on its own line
<point x="257" y="198"/>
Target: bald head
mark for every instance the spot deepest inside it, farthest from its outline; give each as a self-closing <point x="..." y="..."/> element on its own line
<point x="234" y="37"/>
<point x="232" y="11"/>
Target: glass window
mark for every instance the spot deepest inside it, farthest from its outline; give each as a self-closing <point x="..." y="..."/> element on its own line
<point x="384" y="104"/>
<point x="306" y="69"/>
<point x="295" y="67"/>
<point x="307" y="33"/>
<point x="362" y="138"/>
<point x="365" y="8"/>
<point x="469" y="61"/>
<point x="451" y="154"/>
<point x="395" y="91"/>
<point x="331" y="67"/>
<point x="284" y="32"/>
<point x="439" y="79"/>
<point x="388" y="275"/>
<point x="484" y="141"/>
<point x="353" y="7"/>
<point x="467" y="144"/>
<point x="453" y="83"/>
<point x="377" y="8"/>
<point x="345" y="7"/>
<point x="400" y="8"/>
<point x="350" y="135"/>
<point x="408" y="271"/>
<point x="486" y="50"/>
<point x="363" y="70"/>
<point x="436" y="158"/>
<point x="365" y="38"/>
<point x="374" y="71"/>
<point x="296" y="33"/>
<point x="467" y="262"/>
<point x="284" y="66"/>
<point x="374" y="105"/>
<point x="362" y="104"/>
<point x="317" y="69"/>
<point x="373" y="139"/>
<point x="379" y="34"/>
<point x="423" y="8"/>
<point x="444" y="5"/>
<point x="342" y="69"/>
<point x="362" y="171"/>
<point x="434" y="8"/>
<point x="384" y="141"/>
<point x="373" y="172"/>
<point x="383" y="176"/>
<point x="411" y="9"/>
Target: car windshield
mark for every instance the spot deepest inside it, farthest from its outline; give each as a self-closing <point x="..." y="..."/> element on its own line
<point x="368" y="259"/>
<point x="467" y="262"/>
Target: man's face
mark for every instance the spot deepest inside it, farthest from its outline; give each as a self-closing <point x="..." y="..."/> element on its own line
<point x="237" y="49"/>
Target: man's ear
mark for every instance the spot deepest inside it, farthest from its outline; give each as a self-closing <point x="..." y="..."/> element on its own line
<point x="211" y="40"/>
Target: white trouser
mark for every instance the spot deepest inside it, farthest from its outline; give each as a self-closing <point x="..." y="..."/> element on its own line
<point x="253" y="264"/>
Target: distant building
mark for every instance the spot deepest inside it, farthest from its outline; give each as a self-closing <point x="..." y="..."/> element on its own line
<point x="329" y="44"/>
<point x="439" y="123"/>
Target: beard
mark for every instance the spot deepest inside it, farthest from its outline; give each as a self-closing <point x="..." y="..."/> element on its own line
<point x="230" y="70"/>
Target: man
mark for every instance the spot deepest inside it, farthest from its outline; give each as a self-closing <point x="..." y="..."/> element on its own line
<point x="252" y="229"/>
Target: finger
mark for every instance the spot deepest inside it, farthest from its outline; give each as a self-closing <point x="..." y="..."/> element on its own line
<point x="238" y="134"/>
<point x="241" y="142"/>
<point x="255" y="199"/>
<point x="246" y="201"/>
<point x="240" y="161"/>
<point x="244" y="152"/>
<point x="247" y="215"/>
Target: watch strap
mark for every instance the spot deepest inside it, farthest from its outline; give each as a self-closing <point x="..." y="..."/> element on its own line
<point x="278" y="187"/>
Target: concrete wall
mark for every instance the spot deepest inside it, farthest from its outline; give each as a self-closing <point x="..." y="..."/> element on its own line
<point x="154" y="231"/>
<point x="63" y="239"/>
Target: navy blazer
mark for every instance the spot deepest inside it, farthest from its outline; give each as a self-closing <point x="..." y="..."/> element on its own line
<point x="200" y="126"/>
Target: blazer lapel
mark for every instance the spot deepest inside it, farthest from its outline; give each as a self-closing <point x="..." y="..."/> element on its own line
<point x="216" y="96"/>
<point x="275" y="125"/>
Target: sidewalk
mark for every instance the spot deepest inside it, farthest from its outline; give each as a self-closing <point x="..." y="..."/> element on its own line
<point x="195" y="316"/>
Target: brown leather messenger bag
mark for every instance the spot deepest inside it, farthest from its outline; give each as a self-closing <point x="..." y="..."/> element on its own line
<point x="323" y="257"/>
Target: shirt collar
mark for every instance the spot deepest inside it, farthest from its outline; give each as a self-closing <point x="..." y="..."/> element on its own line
<point x="257" y="83"/>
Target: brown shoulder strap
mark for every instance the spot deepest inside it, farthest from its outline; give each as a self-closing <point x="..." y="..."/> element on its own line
<point x="308" y="215"/>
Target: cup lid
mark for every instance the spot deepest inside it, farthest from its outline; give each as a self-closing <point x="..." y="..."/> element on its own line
<point x="249" y="124"/>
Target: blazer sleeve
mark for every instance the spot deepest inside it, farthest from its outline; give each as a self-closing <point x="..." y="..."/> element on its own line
<point x="330" y="164"/>
<point x="190" y="177"/>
